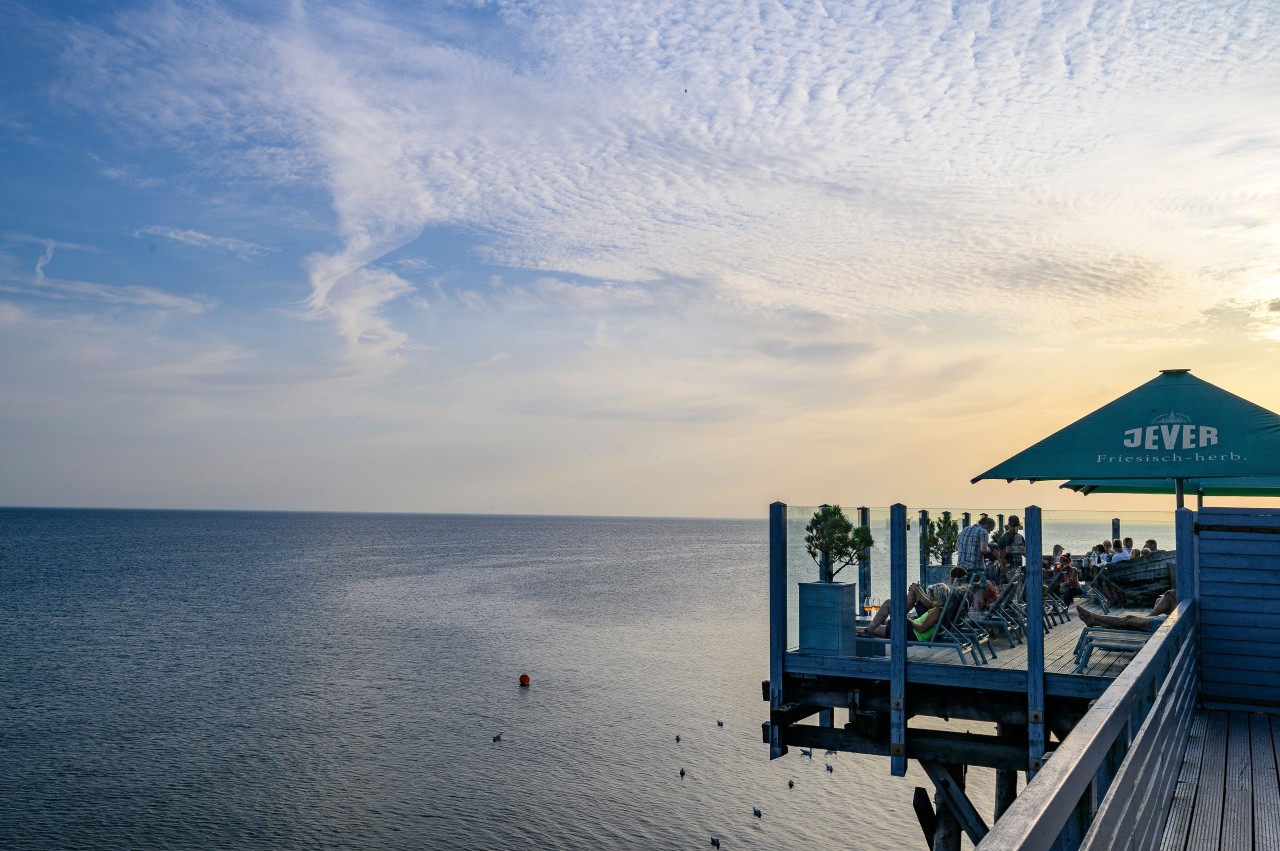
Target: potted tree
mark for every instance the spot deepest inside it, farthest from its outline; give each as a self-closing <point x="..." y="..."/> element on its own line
<point x="941" y="538"/>
<point x="829" y="609"/>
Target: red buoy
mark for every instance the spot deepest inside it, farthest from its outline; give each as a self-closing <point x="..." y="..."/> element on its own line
<point x="524" y="681"/>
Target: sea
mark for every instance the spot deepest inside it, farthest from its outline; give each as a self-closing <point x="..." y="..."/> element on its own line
<point x="258" y="680"/>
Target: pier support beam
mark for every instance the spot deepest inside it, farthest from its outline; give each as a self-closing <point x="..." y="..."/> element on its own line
<point x="777" y="619"/>
<point x="955" y="811"/>
<point x="1007" y="781"/>
<point x="1034" y="572"/>
<point x="898" y="640"/>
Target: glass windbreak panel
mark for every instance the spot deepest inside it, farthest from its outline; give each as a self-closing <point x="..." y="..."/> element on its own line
<point x="1076" y="531"/>
<point x="800" y="567"/>
<point x="1079" y="531"/>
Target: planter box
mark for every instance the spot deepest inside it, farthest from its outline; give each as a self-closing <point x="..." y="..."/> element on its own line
<point x="828" y="615"/>
<point x="937" y="573"/>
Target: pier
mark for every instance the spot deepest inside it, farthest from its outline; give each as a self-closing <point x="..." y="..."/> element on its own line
<point x="1137" y="749"/>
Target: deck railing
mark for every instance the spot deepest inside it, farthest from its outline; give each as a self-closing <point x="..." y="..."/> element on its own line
<point x="1142" y="718"/>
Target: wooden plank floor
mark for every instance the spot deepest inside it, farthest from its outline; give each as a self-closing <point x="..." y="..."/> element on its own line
<point x="1228" y="792"/>
<point x="1059" y="653"/>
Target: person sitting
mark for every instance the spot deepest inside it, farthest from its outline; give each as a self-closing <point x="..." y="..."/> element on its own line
<point x="923" y="626"/>
<point x="1118" y="552"/>
<point x="1150" y="547"/>
<point x="1128" y="546"/>
<point x="1067" y="582"/>
<point x="1149" y="622"/>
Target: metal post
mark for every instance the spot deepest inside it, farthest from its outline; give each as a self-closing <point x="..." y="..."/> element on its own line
<point x="777" y="618"/>
<point x="1035" y="640"/>
<point x="864" y="561"/>
<point x="966" y="520"/>
<point x="1115" y="528"/>
<point x="898" y="639"/>
<point x="1179" y="491"/>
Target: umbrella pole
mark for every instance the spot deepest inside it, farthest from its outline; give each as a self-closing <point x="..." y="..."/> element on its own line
<point x="1179" y="486"/>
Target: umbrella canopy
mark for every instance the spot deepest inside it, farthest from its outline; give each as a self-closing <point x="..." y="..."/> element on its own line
<point x="1257" y="486"/>
<point x="1175" y="427"/>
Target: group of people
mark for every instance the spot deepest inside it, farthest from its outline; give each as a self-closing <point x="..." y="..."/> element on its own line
<point x="978" y="549"/>
<point x="1109" y="552"/>
<point x="975" y="551"/>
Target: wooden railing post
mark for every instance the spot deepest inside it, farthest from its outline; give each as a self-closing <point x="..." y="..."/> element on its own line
<point x="924" y="542"/>
<point x="864" y="561"/>
<point x="1034" y="572"/>
<point x="1187" y="572"/>
<point x="898" y="640"/>
<point x="777" y="618"/>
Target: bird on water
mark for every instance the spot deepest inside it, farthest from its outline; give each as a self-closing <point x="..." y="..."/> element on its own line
<point x="719" y="723"/>
<point x="682" y="772"/>
<point x="498" y="738"/>
<point x="715" y="843"/>
<point x="755" y="811"/>
<point x="791" y="784"/>
<point x="808" y="753"/>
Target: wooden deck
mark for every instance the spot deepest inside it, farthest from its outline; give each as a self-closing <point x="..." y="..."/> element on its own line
<point x="1228" y="792"/>
<point x="1059" y="653"/>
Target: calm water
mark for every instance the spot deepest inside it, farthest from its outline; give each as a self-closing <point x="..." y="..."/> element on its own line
<point x="256" y="680"/>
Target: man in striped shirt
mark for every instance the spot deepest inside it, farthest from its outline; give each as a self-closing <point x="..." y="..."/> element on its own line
<point x="972" y="547"/>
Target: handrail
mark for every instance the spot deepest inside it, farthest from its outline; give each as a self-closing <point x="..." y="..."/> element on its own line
<point x="1037" y="816"/>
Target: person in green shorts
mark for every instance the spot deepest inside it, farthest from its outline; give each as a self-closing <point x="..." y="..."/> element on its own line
<point x="923" y="626"/>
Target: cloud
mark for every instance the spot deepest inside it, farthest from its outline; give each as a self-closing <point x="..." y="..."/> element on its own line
<point x="133" y="295"/>
<point x="40" y="286"/>
<point x="239" y="247"/>
<point x="862" y="160"/>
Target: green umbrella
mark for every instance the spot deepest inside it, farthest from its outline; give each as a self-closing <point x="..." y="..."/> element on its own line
<point x="1257" y="486"/>
<point x="1175" y="427"/>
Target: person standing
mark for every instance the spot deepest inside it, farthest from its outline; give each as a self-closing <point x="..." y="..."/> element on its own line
<point x="972" y="547"/>
<point x="1009" y="549"/>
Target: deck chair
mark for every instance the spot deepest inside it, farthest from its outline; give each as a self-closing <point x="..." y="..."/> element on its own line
<point x="1010" y="606"/>
<point x="957" y="624"/>
<point x="1016" y="608"/>
<point x="1055" y="608"/>
<point x="964" y="646"/>
<point x="996" y="617"/>
<point x="1104" y="638"/>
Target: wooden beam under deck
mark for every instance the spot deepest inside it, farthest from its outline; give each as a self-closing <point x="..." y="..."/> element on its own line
<point x="996" y="707"/>
<point x="1000" y="752"/>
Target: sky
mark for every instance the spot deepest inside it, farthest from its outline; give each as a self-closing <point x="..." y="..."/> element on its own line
<point x="650" y="258"/>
